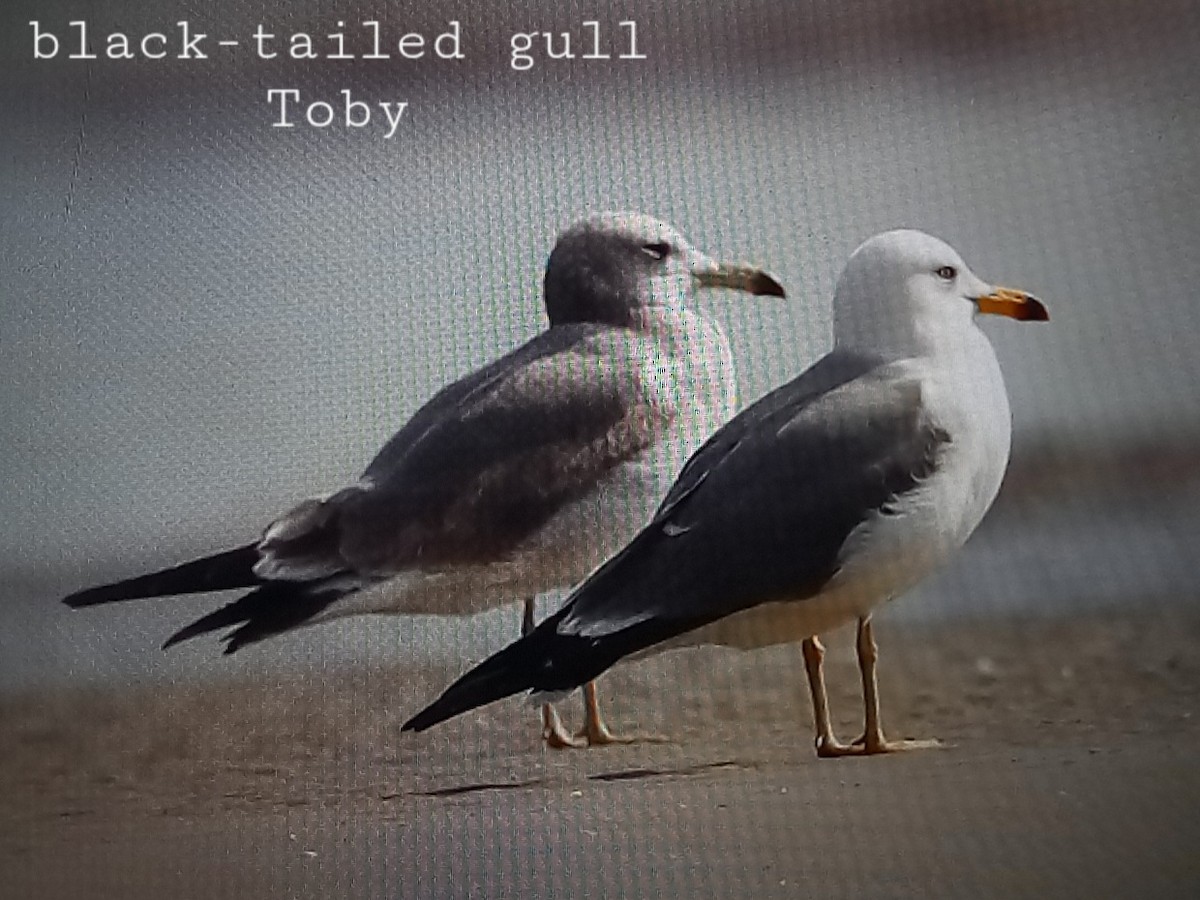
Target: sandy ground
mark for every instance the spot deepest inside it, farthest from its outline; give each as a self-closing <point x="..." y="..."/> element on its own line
<point x="1071" y="769"/>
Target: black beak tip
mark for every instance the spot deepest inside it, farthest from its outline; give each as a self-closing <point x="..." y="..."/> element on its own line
<point x="1037" y="311"/>
<point x="768" y="286"/>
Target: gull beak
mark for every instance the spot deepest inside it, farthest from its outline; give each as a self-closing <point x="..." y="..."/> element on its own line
<point x="1014" y="304"/>
<point x="709" y="274"/>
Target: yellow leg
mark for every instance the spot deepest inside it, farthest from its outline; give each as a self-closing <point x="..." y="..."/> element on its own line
<point x="872" y="740"/>
<point x="594" y="729"/>
<point x="826" y="743"/>
<point x="595" y="732"/>
<point x="553" y="732"/>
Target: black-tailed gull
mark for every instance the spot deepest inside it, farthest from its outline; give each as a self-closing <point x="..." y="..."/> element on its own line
<point x="521" y="477"/>
<point x="830" y="495"/>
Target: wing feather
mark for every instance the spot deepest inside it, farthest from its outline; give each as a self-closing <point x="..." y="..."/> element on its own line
<point x="763" y="511"/>
<point x="485" y="464"/>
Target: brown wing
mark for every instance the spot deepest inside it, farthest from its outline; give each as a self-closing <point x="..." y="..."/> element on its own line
<point x="486" y="472"/>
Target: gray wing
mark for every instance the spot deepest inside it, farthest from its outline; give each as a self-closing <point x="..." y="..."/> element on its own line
<point x="481" y="466"/>
<point x="762" y="511"/>
<point x="828" y="373"/>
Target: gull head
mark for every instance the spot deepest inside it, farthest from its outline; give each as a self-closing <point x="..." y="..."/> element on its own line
<point x="607" y="267"/>
<point x="905" y="292"/>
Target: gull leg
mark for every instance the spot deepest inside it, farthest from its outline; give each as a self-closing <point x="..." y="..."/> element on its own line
<point x="826" y="743"/>
<point x="872" y="740"/>
<point x="553" y="732"/>
<point x="594" y="729"/>
<point x="595" y="732"/>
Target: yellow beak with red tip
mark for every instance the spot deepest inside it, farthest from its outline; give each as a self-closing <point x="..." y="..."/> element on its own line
<point x="1014" y="304"/>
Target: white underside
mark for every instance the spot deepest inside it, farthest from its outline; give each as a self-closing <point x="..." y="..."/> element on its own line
<point x="890" y="553"/>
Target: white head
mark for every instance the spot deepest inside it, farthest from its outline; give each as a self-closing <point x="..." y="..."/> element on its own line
<point x="905" y="293"/>
<point x="608" y="266"/>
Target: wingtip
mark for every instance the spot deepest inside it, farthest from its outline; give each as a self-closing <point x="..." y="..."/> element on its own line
<point x="177" y="638"/>
<point x="216" y="619"/>
<point x="219" y="572"/>
<point x="486" y="683"/>
<point x="424" y="720"/>
<point x="93" y="596"/>
<point x="509" y="671"/>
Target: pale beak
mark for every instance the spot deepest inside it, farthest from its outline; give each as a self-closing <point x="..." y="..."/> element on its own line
<point x="736" y="277"/>
<point x="1014" y="304"/>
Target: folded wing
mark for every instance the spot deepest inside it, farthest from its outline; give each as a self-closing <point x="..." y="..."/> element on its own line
<point x="760" y="514"/>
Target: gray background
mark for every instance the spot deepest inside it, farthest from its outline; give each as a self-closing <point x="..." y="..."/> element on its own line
<point x="204" y="318"/>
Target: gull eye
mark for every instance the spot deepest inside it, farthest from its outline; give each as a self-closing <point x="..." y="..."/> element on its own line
<point x="947" y="273"/>
<point x="657" y="251"/>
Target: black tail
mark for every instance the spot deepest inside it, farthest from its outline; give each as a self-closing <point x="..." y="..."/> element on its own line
<point x="271" y="609"/>
<point x="512" y="670"/>
<point x="219" y="572"/>
<point x="543" y="660"/>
